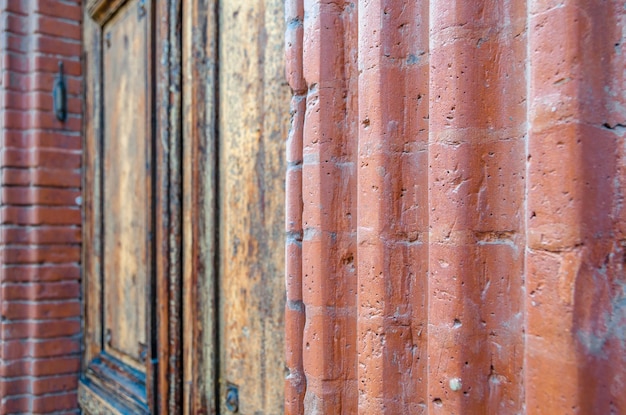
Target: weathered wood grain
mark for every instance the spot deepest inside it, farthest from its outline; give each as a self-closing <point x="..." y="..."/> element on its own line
<point x="199" y="206"/>
<point x="253" y="124"/>
<point x="127" y="209"/>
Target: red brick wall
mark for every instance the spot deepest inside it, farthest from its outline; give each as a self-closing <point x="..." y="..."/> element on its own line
<point x="455" y="207"/>
<point x="40" y="212"/>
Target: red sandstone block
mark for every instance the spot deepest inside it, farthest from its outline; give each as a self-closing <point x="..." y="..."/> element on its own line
<point x="294" y="141"/>
<point x="293" y="271"/>
<point x="40" y="273"/>
<point x="41" y="329"/>
<point x="294" y="327"/>
<point x="294" y="10"/>
<point x="39" y="196"/>
<point x="552" y="362"/>
<point x="293" y="208"/>
<point x="20" y="310"/>
<point x="41" y="291"/>
<point x="293" y="55"/>
<point x="466" y="95"/>
<point x="322" y="43"/>
<point x="329" y="395"/>
<point x="570" y="176"/>
<point x="328" y="195"/>
<point x="55" y="384"/>
<point x="549" y="294"/>
<point x="475" y="188"/>
<point x="328" y="337"/>
<point x="59" y="402"/>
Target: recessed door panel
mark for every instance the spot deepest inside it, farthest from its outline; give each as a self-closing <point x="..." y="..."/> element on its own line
<point x="130" y="219"/>
<point x="127" y="207"/>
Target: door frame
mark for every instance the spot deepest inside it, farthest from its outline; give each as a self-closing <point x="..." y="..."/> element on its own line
<point x="164" y="377"/>
<point x="200" y="197"/>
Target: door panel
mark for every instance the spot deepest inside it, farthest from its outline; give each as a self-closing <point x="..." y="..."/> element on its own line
<point x="235" y="124"/>
<point x="253" y="126"/>
<point x="131" y="222"/>
<point x="231" y="247"/>
<point x="127" y="212"/>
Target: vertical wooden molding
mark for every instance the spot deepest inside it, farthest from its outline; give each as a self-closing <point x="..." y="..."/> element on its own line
<point x="199" y="206"/>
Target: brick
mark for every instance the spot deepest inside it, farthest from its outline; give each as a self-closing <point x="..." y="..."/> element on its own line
<point x="39" y="196"/>
<point x="44" y="102"/>
<point x="53" y="8"/>
<point x="61" y="28"/>
<point x="44" y="81"/>
<point x="41" y="235"/>
<point x="20" y="310"/>
<point x="56" y="366"/>
<point x="49" y="64"/>
<point x="57" y="178"/>
<point x="56" y="384"/>
<point x="40" y="216"/>
<point x="47" y="158"/>
<point x="14" y="386"/>
<point x="45" y="272"/>
<point x="17" y="404"/>
<point x="41" y="291"/>
<point x="41" y="329"/>
<point x="58" y="402"/>
<point x="40" y="160"/>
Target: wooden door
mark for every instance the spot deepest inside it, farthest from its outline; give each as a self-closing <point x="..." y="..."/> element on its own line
<point x="131" y="242"/>
<point x="253" y="127"/>
<point x="189" y="200"/>
<point x="236" y="123"/>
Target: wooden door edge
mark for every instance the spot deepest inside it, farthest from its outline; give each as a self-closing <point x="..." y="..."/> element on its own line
<point x="199" y="58"/>
<point x="167" y="123"/>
